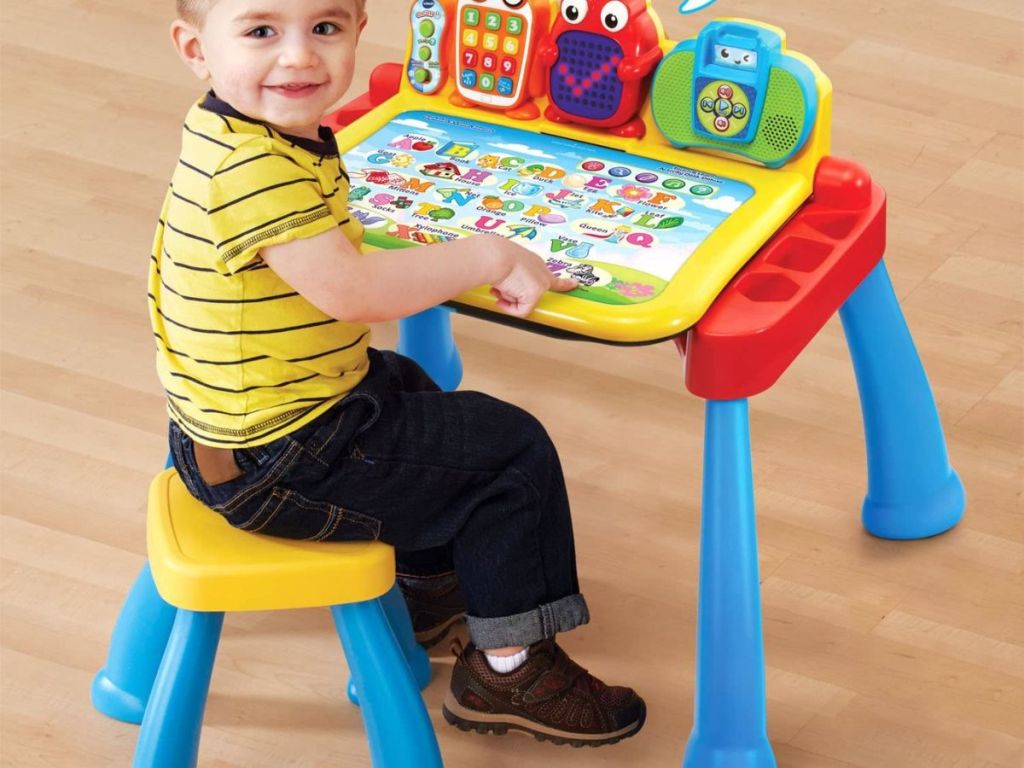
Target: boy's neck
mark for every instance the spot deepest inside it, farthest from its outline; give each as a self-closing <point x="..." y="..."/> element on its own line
<point x="325" y="144"/>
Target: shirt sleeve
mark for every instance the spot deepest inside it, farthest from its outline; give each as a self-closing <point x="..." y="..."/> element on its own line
<point x="258" y="198"/>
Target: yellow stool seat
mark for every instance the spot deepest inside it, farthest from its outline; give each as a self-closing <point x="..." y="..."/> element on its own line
<point x="201" y="563"/>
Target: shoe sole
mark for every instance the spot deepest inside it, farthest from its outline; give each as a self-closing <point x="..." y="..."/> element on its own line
<point x="431" y="637"/>
<point x="470" y="720"/>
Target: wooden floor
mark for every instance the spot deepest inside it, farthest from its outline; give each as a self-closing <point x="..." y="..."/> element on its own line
<point x="880" y="655"/>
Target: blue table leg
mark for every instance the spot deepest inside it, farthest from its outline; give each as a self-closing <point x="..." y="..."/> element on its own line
<point x="912" y="490"/>
<point x="427" y="338"/>
<point x="121" y="689"/>
<point x="730" y="721"/>
<point x="401" y="625"/>
<point x="397" y="724"/>
<point x="169" y="737"/>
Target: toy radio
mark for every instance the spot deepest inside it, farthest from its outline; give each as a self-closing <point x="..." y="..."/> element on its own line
<point x="736" y="88"/>
<point x="495" y="43"/>
<point x="427" y="68"/>
<point x="599" y="55"/>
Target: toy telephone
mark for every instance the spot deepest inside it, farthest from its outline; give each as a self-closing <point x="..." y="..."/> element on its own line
<point x="736" y="88"/>
<point x="495" y="42"/>
<point x="432" y="21"/>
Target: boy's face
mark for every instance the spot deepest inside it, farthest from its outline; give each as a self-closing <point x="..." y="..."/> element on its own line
<point x="284" y="63"/>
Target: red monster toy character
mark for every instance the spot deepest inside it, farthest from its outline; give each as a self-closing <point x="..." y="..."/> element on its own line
<point x="599" y="54"/>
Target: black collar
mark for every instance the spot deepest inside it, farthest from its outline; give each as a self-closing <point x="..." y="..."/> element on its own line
<point x="326" y="147"/>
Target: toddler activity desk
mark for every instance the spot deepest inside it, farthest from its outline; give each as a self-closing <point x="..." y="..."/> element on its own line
<point x="689" y="189"/>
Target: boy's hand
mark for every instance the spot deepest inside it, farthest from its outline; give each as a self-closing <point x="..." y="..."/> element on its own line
<point x="526" y="281"/>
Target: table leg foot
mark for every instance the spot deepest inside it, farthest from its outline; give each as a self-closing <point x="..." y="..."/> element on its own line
<point x="917" y="518"/>
<point x="703" y="755"/>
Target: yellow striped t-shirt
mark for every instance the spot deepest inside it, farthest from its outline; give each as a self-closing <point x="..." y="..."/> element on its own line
<point x="245" y="359"/>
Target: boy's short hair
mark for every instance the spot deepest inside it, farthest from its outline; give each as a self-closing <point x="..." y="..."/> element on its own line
<point x="194" y="11"/>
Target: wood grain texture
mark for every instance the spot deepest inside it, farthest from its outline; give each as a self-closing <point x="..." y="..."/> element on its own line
<point x="880" y="655"/>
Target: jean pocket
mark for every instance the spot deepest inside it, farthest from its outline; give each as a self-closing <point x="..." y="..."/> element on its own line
<point x="288" y="514"/>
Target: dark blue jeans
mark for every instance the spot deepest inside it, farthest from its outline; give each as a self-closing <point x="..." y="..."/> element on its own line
<point x="453" y="480"/>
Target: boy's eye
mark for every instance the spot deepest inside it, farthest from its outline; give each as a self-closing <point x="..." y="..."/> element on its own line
<point x="260" y="32"/>
<point x="325" y="28"/>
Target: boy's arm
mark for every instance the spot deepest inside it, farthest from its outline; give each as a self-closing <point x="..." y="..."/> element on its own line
<point x="386" y="285"/>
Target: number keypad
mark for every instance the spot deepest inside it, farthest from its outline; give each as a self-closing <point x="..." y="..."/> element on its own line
<point x="491" y="43"/>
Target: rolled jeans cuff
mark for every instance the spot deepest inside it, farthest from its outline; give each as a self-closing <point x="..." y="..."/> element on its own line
<point x="530" y="627"/>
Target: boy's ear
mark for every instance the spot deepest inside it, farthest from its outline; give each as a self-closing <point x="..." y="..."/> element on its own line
<point x="185" y="38"/>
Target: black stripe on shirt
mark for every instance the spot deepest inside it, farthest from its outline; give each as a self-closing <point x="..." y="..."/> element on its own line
<point x="261" y="191"/>
<point x="217" y="332"/>
<point x="258" y="264"/>
<point x="197" y="170"/>
<point x="227" y="124"/>
<point x="187" y="234"/>
<point x="200" y="361"/>
<point x="181" y="265"/>
<point x="253" y="388"/>
<point x="201" y="300"/>
<point x="240" y="163"/>
<point x="186" y="200"/>
<point x="208" y="138"/>
<point x="328" y="352"/>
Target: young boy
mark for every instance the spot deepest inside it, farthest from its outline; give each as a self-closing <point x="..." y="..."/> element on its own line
<point x="287" y="423"/>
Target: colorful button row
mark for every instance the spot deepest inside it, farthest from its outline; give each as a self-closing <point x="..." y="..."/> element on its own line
<point x="491" y="42"/>
<point x="487" y="82"/>
<point x="489" y="62"/>
<point x="513" y="24"/>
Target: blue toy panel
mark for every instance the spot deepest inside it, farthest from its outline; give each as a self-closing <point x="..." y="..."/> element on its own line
<point x="621" y="225"/>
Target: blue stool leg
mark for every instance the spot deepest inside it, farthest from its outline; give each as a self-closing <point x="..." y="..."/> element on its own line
<point x="397" y="724"/>
<point x="121" y="689"/>
<point x="426" y="337"/>
<point x="398" y="619"/>
<point x="730" y="723"/>
<point x="912" y="490"/>
<point x="170" y="732"/>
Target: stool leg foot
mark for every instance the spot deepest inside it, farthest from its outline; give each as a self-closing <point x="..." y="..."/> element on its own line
<point x="169" y="737"/>
<point x="401" y="625"/>
<point x="426" y="337"/>
<point x="913" y="492"/>
<point x="121" y="689"/>
<point x="397" y="725"/>
<point x="730" y="721"/>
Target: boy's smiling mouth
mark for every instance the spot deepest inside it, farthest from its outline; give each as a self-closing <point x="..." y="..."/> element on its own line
<point x="294" y="90"/>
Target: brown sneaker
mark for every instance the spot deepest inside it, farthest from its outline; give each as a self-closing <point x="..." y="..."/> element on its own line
<point x="435" y="606"/>
<point x="549" y="696"/>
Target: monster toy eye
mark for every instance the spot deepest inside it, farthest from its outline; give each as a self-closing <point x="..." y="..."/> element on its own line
<point x="574" y="11"/>
<point x="614" y="16"/>
<point x="513" y="4"/>
<point x="724" y="53"/>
